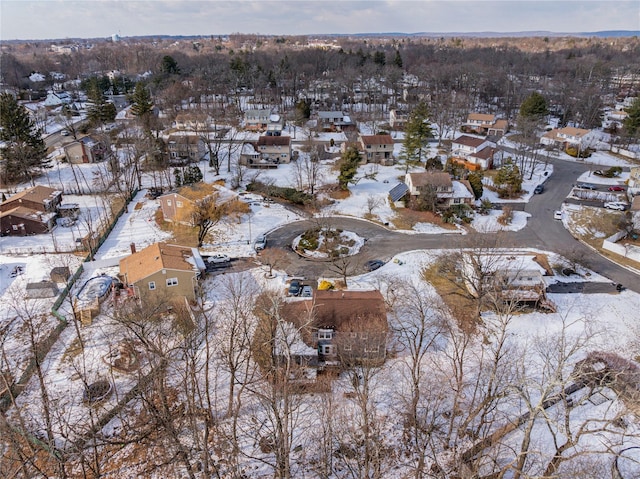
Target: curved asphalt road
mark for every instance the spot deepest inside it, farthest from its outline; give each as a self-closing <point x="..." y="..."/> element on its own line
<point x="542" y="232"/>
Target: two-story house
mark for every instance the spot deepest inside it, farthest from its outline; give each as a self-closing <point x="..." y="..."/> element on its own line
<point x="162" y="271"/>
<point x="32" y="211"/>
<point x="345" y="327"/>
<point x="634" y="181"/>
<point x="485" y="124"/>
<point x="85" y="150"/>
<point x="398" y="118"/>
<point x="474" y="153"/>
<point x="334" y="121"/>
<point x="178" y="206"/>
<point x="185" y="148"/>
<point x="568" y="136"/>
<point x="447" y="191"/>
<point x="256" y="119"/>
<point x="274" y="149"/>
<point x="377" y="148"/>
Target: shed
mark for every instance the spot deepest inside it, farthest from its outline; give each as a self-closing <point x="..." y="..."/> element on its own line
<point x="43" y="289"/>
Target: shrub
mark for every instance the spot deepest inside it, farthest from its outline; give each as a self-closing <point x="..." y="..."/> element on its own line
<point x="507" y="216"/>
<point x="325" y="285"/>
<point x="613" y="172"/>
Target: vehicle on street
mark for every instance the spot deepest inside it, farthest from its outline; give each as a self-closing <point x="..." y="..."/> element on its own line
<point x="557" y="215"/>
<point x="373" y="264"/>
<point x="616" y="188"/>
<point x="615" y="205"/>
<point x="64" y="132"/>
<point x="307" y="292"/>
<point x="538" y="189"/>
<point x="295" y="287"/>
<point x="587" y="186"/>
<point x="218" y="258"/>
<point x="261" y="243"/>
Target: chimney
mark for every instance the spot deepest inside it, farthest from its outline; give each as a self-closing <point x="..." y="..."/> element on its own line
<point x="133" y="247"/>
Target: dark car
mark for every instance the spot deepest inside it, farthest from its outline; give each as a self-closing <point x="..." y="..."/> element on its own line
<point x="616" y="188"/>
<point x="598" y="173"/>
<point x="373" y="264"/>
<point x="587" y="186"/>
<point x="539" y="189"/>
<point x="295" y="287"/>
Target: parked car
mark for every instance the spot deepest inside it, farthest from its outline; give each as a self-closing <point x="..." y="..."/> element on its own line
<point x="295" y="287"/>
<point x="615" y="205"/>
<point x="538" y="189"/>
<point x="587" y="186"/>
<point x="307" y="292"/>
<point x="218" y="258"/>
<point x="373" y="264"/>
<point x="557" y="215"/>
<point x="616" y="188"/>
<point x="598" y="173"/>
<point x="64" y="132"/>
<point x="261" y="243"/>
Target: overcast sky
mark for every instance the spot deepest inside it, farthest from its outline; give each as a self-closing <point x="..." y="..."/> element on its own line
<point x="53" y="19"/>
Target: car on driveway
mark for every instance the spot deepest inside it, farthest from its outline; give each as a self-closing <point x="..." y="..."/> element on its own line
<point x="218" y="258"/>
<point x="307" y="292"/>
<point x="616" y="188"/>
<point x="615" y="205"/>
<point x="557" y="215"/>
<point x="587" y="186"/>
<point x="295" y="287"/>
<point x="373" y="264"/>
<point x="261" y="243"/>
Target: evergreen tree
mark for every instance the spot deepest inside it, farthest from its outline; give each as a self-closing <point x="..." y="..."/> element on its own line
<point x="24" y="151"/>
<point x="141" y="105"/>
<point x="348" y="166"/>
<point x="508" y="180"/>
<point x="417" y="132"/>
<point x="475" y="180"/>
<point x="99" y="111"/>
<point x="534" y="107"/>
<point x="397" y="61"/>
<point x="632" y="121"/>
<point x="379" y="58"/>
<point x="169" y="65"/>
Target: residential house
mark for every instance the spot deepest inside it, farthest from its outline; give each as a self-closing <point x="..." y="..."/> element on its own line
<point x="635" y="212"/>
<point x="519" y="285"/>
<point x="163" y="270"/>
<point x="21" y="221"/>
<point x="185" y="148"/>
<point x="178" y="206"/>
<point x="474" y="153"/>
<point x="256" y="119"/>
<point x="275" y="125"/>
<point x="568" y="136"/>
<point x="39" y="198"/>
<point x="398" y="118"/>
<point x="85" y="150"/>
<point x="193" y="121"/>
<point x="634" y="180"/>
<point x="334" y="121"/>
<point x="345" y="327"/>
<point x="447" y="192"/>
<point x="377" y="148"/>
<point x="485" y="124"/>
<point x="274" y="149"/>
<point x="57" y="98"/>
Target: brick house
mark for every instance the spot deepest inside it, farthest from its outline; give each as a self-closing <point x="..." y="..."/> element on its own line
<point x="162" y="270"/>
<point x="32" y="211"/>
<point x="85" y="150"/>
<point x="345" y="327"/>
<point x="377" y="148"/>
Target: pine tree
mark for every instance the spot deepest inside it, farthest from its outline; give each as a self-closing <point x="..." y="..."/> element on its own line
<point x="141" y="105"/>
<point x="508" y="180"/>
<point x="534" y="107"/>
<point x="397" y="61"/>
<point x="24" y="151"/>
<point x="99" y="110"/>
<point x="348" y="166"/>
<point x="632" y="121"/>
<point x="417" y="132"/>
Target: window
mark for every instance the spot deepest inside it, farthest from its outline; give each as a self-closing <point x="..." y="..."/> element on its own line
<point x="152" y="285"/>
<point x="168" y="202"/>
<point x="456" y="201"/>
<point x="327" y="349"/>
<point x="372" y="348"/>
<point x="179" y="204"/>
<point x="325" y="334"/>
<point x="172" y="281"/>
<point x="347" y="347"/>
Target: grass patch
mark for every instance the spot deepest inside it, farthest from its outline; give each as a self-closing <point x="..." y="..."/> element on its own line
<point x="406" y="219"/>
<point x="462" y="307"/>
<point x="180" y="234"/>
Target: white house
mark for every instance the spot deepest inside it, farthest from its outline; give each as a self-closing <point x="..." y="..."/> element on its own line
<point x="474" y="153"/>
<point x="567" y="136"/>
